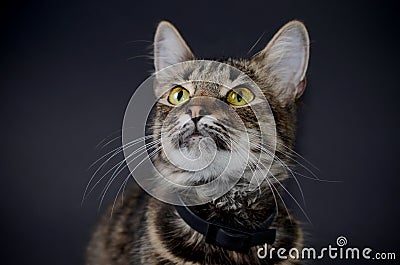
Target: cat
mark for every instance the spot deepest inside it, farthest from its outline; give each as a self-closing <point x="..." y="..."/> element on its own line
<point x="145" y="230"/>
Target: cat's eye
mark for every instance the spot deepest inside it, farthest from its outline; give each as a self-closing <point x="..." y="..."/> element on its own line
<point x="178" y="95"/>
<point x="239" y="96"/>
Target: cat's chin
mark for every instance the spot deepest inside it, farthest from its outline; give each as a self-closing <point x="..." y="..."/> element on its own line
<point x="221" y="164"/>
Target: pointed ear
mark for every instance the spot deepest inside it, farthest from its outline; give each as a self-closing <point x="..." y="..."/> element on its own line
<point x="285" y="59"/>
<point x="169" y="47"/>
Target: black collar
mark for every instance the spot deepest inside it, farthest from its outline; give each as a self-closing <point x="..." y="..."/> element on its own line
<point x="227" y="237"/>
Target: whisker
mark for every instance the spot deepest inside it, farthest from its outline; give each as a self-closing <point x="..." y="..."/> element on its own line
<point x="138" y="56"/>
<point x="289" y="155"/>
<point x="255" y="44"/>
<point x="135" y="41"/>
<point x="320" y="180"/>
<point x="122" y="148"/>
<point x="284" y="165"/>
<point x="109" y="142"/>
<point x="103" y="140"/>
<point x="270" y="184"/>
<point x="273" y="187"/>
<point x="297" y="154"/>
<point x="294" y="199"/>
<point x="140" y="151"/>
<point x="116" y="196"/>
<point x="113" y="178"/>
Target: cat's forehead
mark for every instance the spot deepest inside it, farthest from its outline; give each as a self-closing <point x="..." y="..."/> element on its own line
<point x="207" y="78"/>
<point x="204" y="89"/>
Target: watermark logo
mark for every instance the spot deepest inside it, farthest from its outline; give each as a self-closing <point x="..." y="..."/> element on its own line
<point x="341" y="241"/>
<point x="339" y="251"/>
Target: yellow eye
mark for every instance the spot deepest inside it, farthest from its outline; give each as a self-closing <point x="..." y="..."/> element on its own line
<point x="178" y="95"/>
<point x="239" y="96"/>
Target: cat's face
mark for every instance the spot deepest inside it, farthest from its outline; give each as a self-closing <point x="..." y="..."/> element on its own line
<point x="225" y="118"/>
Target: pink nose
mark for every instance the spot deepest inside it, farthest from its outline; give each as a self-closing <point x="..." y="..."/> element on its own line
<point x="196" y="111"/>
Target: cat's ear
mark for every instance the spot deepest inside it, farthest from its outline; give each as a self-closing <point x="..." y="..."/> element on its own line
<point x="285" y="59"/>
<point x="169" y="47"/>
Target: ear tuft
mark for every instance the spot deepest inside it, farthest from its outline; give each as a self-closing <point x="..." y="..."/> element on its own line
<point x="286" y="59"/>
<point x="169" y="46"/>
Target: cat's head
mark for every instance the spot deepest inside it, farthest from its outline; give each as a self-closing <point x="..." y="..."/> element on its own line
<point x="211" y="116"/>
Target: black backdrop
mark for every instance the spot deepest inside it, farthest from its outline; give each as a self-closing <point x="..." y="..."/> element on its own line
<point x="66" y="78"/>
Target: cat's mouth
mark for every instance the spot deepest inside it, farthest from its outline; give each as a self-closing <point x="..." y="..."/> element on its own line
<point x="196" y="134"/>
<point x="192" y="138"/>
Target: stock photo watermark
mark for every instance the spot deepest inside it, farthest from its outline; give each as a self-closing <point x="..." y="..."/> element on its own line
<point x="339" y="251"/>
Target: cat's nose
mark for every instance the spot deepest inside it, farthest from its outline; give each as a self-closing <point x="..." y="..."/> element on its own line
<point x="196" y="112"/>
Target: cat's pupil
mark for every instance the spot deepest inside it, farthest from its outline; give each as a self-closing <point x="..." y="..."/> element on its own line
<point x="179" y="95"/>
<point x="239" y="96"/>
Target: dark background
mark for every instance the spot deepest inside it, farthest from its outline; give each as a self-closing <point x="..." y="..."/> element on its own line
<point x="66" y="78"/>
